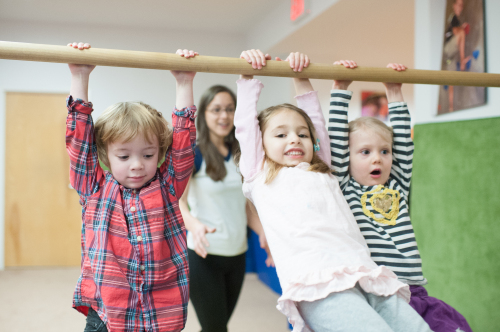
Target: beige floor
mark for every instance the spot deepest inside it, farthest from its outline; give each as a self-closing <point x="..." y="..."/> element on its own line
<point x="40" y="300"/>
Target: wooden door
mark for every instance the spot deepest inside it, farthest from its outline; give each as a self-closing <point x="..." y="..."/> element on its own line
<point x="42" y="213"/>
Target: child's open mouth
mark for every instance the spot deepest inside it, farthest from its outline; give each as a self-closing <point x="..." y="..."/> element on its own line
<point x="375" y="173"/>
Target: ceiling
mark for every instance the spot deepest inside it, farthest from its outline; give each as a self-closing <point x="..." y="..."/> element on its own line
<point x="229" y="16"/>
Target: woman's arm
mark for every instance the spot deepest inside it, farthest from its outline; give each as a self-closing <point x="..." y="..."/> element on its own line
<point x="193" y="225"/>
<point x="255" y="225"/>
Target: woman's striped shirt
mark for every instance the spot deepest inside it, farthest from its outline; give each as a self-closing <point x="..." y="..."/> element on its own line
<point x="393" y="246"/>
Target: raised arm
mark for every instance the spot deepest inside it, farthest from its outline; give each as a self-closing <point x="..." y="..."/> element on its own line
<point x="402" y="148"/>
<point x="247" y="127"/>
<point x="248" y="131"/>
<point x="307" y="100"/>
<point x="179" y="159"/>
<point x="338" y="127"/>
<point x="85" y="171"/>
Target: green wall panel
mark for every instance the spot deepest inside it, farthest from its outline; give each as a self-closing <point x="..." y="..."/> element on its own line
<point x="455" y="210"/>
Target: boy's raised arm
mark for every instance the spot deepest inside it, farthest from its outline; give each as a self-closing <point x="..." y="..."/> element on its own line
<point x="180" y="156"/>
<point x="80" y="142"/>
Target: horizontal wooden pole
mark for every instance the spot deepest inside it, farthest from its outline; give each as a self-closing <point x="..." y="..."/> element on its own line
<point x="222" y="65"/>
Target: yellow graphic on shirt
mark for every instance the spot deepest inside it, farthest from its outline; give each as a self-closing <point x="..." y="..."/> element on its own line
<point x="385" y="202"/>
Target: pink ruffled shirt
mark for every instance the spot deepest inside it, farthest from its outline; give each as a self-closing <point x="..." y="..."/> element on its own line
<point x="315" y="241"/>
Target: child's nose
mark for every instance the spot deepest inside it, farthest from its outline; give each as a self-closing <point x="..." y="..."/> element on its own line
<point x="377" y="158"/>
<point x="294" y="139"/>
<point x="137" y="164"/>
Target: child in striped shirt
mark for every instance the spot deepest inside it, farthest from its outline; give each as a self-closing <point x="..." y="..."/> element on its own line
<point x="373" y="164"/>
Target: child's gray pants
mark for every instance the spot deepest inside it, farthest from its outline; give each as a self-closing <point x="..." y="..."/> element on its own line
<point x="356" y="310"/>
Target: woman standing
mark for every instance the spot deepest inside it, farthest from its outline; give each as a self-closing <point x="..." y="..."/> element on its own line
<point x="219" y="215"/>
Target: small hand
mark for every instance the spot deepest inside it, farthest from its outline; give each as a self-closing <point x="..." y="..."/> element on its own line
<point x="77" y="69"/>
<point x="343" y="84"/>
<point x="397" y="67"/>
<point x="263" y="244"/>
<point x="200" y="240"/>
<point x="297" y="60"/>
<point x="393" y="90"/>
<point x="256" y="58"/>
<point x="184" y="75"/>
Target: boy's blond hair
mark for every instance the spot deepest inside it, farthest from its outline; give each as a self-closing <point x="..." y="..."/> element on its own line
<point x="372" y="123"/>
<point x="317" y="165"/>
<point x="124" y="121"/>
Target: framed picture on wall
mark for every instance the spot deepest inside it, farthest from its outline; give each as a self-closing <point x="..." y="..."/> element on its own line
<point x="374" y="104"/>
<point x="463" y="50"/>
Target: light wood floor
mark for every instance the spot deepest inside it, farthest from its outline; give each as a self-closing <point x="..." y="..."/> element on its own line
<point x="40" y="300"/>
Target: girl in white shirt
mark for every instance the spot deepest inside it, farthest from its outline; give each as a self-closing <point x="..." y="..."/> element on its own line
<point x="328" y="279"/>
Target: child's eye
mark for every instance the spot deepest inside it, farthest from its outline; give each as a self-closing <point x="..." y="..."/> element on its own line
<point x="123" y="157"/>
<point x="385" y="152"/>
<point x="303" y="136"/>
<point x="366" y="152"/>
<point x="280" y="135"/>
<point x="148" y="156"/>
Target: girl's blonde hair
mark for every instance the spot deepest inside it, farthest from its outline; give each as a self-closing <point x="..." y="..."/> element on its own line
<point x="372" y="123"/>
<point x="124" y="121"/>
<point x="317" y="165"/>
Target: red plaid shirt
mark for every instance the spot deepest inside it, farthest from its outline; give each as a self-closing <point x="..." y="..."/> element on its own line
<point x="134" y="260"/>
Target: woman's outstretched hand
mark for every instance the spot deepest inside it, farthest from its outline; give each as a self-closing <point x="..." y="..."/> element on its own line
<point x="200" y="240"/>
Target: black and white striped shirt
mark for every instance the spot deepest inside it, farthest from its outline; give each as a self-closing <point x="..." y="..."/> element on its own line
<point x="393" y="246"/>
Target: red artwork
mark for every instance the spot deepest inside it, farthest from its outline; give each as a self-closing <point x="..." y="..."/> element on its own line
<point x="297" y="9"/>
<point x="374" y="104"/>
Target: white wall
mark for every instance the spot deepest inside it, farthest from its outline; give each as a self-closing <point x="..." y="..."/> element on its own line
<point x="357" y="30"/>
<point x="276" y="24"/>
<point x="429" y="32"/>
<point x="108" y="84"/>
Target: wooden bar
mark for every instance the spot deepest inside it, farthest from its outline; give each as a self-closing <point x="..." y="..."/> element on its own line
<point x="222" y="65"/>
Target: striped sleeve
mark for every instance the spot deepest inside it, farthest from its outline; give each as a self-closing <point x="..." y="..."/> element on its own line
<point x="338" y="131"/>
<point x="179" y="159"/>
<point x="402" y="150"/>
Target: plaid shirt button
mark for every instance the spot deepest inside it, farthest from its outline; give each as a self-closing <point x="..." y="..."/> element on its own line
<point x="139" y="238"/>
<point x="142" y="267"/>
<point x="132" y="208"/>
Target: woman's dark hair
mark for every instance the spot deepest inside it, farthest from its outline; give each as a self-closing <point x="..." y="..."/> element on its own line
<point x="213" y="159"/>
